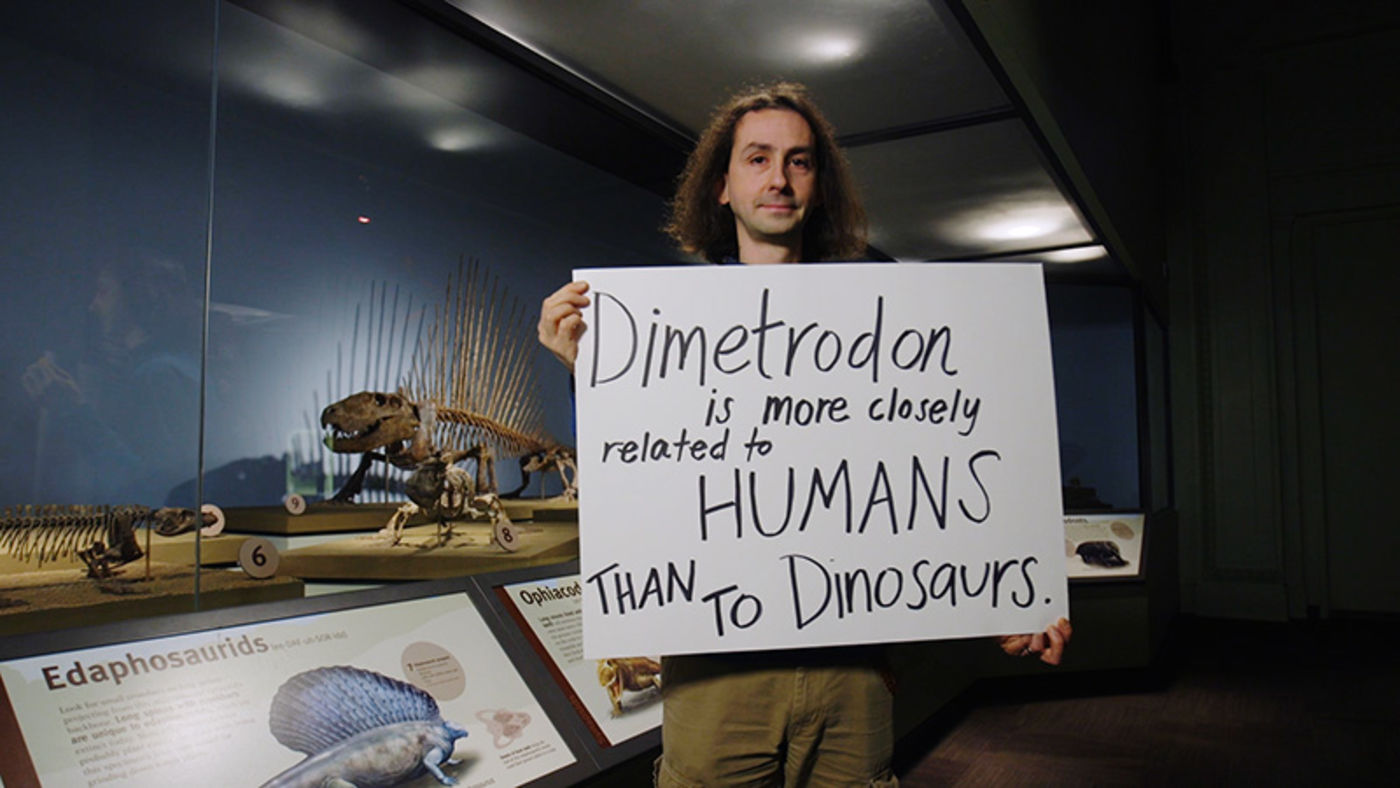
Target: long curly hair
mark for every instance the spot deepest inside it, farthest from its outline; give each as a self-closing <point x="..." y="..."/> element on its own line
<point x="836" y="226"/>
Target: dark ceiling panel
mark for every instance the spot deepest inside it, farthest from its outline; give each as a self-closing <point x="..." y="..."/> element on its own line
<point x="459" y="62"/>
<point x="969" y="192"/>
<point x="949" y="169"/>
<point x="872" y="65"/>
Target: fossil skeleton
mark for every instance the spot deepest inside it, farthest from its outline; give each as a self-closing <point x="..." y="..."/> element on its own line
<point x="1101" y="553"/>
<point x="103" y="537"/>
<point x="469" y="394"/>
<point x="632" y="674"/>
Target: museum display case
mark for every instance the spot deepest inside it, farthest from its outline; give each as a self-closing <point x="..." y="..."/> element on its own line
<point x="223" y="217"/>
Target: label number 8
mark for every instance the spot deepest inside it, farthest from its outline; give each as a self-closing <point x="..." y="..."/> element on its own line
<point x="505" y="537"/>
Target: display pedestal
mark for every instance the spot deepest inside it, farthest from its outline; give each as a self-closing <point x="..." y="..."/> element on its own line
<point x="322" y="518"/>
<point x="62" y="598"/>
<point x="420" y="555"/>
<point x="319" y="518"/>
<point x="221" y="549"/>
<point x="556" y="509"/>
<point x="213" y="550"/>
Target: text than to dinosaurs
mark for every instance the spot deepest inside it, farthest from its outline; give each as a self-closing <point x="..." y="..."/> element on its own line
<point x="821" y="589"/>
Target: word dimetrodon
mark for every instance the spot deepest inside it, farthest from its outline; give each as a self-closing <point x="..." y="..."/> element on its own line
<point x="771" y="346"/>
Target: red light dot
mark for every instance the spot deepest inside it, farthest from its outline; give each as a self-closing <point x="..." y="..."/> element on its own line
<point x="362" y="219"/>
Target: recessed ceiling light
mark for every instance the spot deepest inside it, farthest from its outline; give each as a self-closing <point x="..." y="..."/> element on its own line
<point x="1077" y="254"/>
<point x="457" y="139"/>
<point x="1018" y="228"/>
<point x="1025" y="221"/>
<point x="286" y="88"/>
<point x="830" y="47"/>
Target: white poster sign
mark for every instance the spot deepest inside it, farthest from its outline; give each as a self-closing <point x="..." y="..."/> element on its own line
<point x="411" y="693"/>
<point x="785" y="456"/>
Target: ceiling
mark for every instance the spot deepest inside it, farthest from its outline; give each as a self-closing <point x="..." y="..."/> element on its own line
<point x="948" y="164"/>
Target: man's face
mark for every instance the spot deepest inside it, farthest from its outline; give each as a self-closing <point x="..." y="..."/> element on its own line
<point x="771" y="183"/>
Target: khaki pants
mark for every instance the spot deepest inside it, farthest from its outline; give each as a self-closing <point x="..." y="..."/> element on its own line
<point x="761" y="720"/>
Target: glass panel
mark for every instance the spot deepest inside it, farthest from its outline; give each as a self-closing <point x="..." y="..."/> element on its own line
<point x="105" y="188"/>
<point x="1091" y="337"/>
<point x="1154" y="346"/>
<point x="103" y="204"/>
<point x="349" y="189"/>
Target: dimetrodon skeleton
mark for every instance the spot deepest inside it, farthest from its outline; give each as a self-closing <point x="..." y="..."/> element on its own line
<point x="470" y="393"/>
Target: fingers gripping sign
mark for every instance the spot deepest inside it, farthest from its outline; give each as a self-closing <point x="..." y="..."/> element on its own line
<point x="561" y="321"/>
<point x="1048" y="645"/>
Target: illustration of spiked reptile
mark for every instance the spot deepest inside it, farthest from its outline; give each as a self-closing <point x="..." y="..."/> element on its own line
<point x="360" y="729"/>
<point x="103" y="537"/>
<point x="470" y="394"/>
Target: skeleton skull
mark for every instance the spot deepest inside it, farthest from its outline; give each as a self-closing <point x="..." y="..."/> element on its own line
<point x="369" y="420"/>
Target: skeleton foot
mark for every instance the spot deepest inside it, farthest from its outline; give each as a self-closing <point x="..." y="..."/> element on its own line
<point x="393" y="530"/>
<point x="569" y="479"/>
<point x="444" y="532"/>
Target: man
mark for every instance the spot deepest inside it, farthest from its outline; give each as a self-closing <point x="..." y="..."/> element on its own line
<point x="768" y="184"/>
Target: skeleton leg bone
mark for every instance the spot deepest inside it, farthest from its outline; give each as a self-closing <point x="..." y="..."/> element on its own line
<point x="393" y="530"/>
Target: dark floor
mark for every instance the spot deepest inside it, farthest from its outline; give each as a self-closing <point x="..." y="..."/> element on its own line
<point x="1234" y="703"/>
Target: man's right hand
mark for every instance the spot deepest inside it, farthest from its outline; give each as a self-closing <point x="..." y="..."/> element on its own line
<point x="561" y="321"/>
<point x="1048" y="645"/>
<point x="46" y="377"/>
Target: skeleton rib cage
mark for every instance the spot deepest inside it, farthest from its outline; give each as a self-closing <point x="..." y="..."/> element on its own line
<point x="41" y="534"/>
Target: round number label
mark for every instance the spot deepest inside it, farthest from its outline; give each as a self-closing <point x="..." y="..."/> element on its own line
<point x="507" y="536"/>
<point x="258" y="557"/>
<point x="295" y="504"/>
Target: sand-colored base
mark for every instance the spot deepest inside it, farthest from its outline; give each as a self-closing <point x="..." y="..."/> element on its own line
<point x="556" y="509"/>
<point x="422" y="555"/>
<point x="213" y="550"/>
<point x="319" y="518"/>
<point x="62" y="598"/>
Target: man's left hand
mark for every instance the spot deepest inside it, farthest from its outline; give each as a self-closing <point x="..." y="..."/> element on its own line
<point x="1050" y="644"/>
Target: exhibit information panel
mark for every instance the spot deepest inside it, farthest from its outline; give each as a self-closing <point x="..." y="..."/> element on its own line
<point x="618" y="697"/>
<point x="810" y="455"/>
<point x="1104" y="545"/>
<point x="409" y="693"/>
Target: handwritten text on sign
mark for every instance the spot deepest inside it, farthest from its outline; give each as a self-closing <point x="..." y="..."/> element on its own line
<point x="806" y="455"/>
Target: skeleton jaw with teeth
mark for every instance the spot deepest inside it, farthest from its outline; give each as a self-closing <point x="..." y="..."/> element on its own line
<point x="370" y="420"/>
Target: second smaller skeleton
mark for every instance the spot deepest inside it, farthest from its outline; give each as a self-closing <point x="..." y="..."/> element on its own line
<point x="632" y="674"/>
